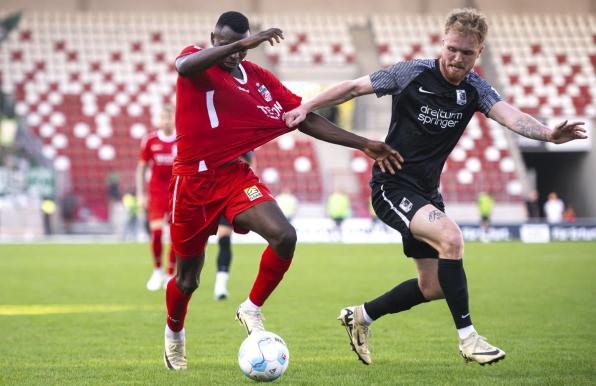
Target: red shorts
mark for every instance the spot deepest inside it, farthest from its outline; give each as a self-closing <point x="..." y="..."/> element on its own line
<point x="197" y="202"/>
<point x="157" y="207"/>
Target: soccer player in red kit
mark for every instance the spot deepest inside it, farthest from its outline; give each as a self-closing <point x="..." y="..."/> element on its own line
<point x="226" y="106"/>
<point x="158" y="151"/>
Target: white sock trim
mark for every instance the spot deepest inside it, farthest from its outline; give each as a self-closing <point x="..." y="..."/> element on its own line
<point x="367" y="318"/>
<point x="249" y="306"/>
<point x="222" y="277"/>
<point x="466" y="331"/>
<point x="180" y="335"/>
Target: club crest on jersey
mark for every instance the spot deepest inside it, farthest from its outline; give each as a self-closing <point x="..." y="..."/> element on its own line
<point x="461" y="97"/>
<point x="405" y="205"/>
<point x="253" y="193"/>
<point x="264" y="92"/>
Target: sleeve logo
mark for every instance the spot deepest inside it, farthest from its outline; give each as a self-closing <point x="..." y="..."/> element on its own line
<point x="253" y="193"/>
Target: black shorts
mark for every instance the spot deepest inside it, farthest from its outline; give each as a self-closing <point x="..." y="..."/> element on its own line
<point x="396" y="207"/>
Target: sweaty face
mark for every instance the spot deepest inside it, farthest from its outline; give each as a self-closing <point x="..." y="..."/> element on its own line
<point x="222" y="36"/>
<point x="458" y="55"/>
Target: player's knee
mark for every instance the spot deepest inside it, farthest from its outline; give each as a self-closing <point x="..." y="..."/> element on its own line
<point x="187" y="285"/>
<point x="284" y="241"/>
<point x="452" y="245"/>
<point x="288" y="237"/>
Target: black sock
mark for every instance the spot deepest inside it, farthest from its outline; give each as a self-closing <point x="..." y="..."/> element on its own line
<point x="452" y="278"/>
<point x="224" y="257"/>
<point x="403" y="297"/>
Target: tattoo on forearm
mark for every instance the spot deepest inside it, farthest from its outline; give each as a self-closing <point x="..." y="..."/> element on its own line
<point x="530" y="128"/>
<point x="436" y="215"/>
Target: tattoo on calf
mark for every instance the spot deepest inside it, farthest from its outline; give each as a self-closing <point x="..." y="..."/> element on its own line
<point x="436" y="215"/>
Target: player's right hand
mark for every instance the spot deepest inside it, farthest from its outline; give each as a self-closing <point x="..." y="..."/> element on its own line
<point x="386" y="157"/>
<point x="295" y="117"/>
<point x="271" y="35"/>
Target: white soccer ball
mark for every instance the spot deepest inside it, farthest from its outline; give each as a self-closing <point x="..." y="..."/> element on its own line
<point x="263" y="356"/>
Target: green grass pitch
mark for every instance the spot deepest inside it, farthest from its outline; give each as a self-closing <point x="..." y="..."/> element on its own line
<point x="80" y="315"/>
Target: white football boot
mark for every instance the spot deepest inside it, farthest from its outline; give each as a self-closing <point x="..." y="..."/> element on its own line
<point x="174" y="355"/>
<point x="252" y="320"/>
<point x="475" y="348"/>
<point x="220" y="290"/>
<point x="352" y="319"/>
<point x="156" y="280"/>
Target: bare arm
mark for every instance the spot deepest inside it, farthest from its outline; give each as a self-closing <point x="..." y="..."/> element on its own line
<point x="200" y="61"/>
<point x="140" y="183"/>
<point x="320" y="128"/>
<point x="526" y="125"/>
<point x="335" y="95"/>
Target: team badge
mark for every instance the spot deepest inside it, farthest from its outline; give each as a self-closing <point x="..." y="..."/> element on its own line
<point x="264" y="92"/>
<point x="405" y="205"/>
<point x="461" y="97"/>
<point x="253" y="193"/>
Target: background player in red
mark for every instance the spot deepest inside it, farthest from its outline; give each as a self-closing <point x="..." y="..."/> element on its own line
<point x="158" y="151"/>
<point x="226" y="106"/>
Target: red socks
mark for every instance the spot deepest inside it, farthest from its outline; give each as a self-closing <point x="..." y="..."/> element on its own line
<point x="156" y="247"/>
<point x="271" y="271"/>
<point x="172" y="262"/>
<point x="176" y="304"/>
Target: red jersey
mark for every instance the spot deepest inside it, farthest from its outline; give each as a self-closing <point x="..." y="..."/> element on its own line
<point x="159" y="151"/>
<point x="219" y="117"/>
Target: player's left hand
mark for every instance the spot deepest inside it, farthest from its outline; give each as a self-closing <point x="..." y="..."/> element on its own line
<point x="386" y="157"/>
<point x="568" y="131"/>
<point x="295" y="117"/>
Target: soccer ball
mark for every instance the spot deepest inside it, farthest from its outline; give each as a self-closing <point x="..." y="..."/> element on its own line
<point x="263" y="356"/>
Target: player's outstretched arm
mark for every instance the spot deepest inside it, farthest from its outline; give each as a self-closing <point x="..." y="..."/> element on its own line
<point x="197" y="62"/>
<point x="526" y="125"/>
<point x="335" y="95"/>
<point x="318" y="127"/>
<point x="140" y="183"/>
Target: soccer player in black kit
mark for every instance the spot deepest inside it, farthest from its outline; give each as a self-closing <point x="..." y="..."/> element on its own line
<point x="433" y="101"/>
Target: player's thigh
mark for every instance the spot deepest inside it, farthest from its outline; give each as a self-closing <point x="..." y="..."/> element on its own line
<point x="156" y="224"/>
<point x="434" y="227"/>
<point x="396" y="208"/>
<point x="265" y="219"/>
<point x="225" y="228"/>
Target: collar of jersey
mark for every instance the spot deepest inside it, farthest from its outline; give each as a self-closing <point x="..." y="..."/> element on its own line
<point x="244" y="77"/>
<point x="166" y="138"/>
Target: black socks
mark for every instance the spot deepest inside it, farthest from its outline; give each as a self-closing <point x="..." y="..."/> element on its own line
<point x="403" y="297"/>
<point x="452" y="278"/>
<point x="224" y="257"/>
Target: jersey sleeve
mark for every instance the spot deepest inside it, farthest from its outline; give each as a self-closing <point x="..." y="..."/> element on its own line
<point x="283" y="95"/>
<point x="187" y="51"/>
<point x="145" y="154"/>
<point x="487" y="95"/>
<point x="394" y="79"/>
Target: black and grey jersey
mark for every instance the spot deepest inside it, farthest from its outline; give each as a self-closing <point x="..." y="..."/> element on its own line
<point x="428" y="117"/>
